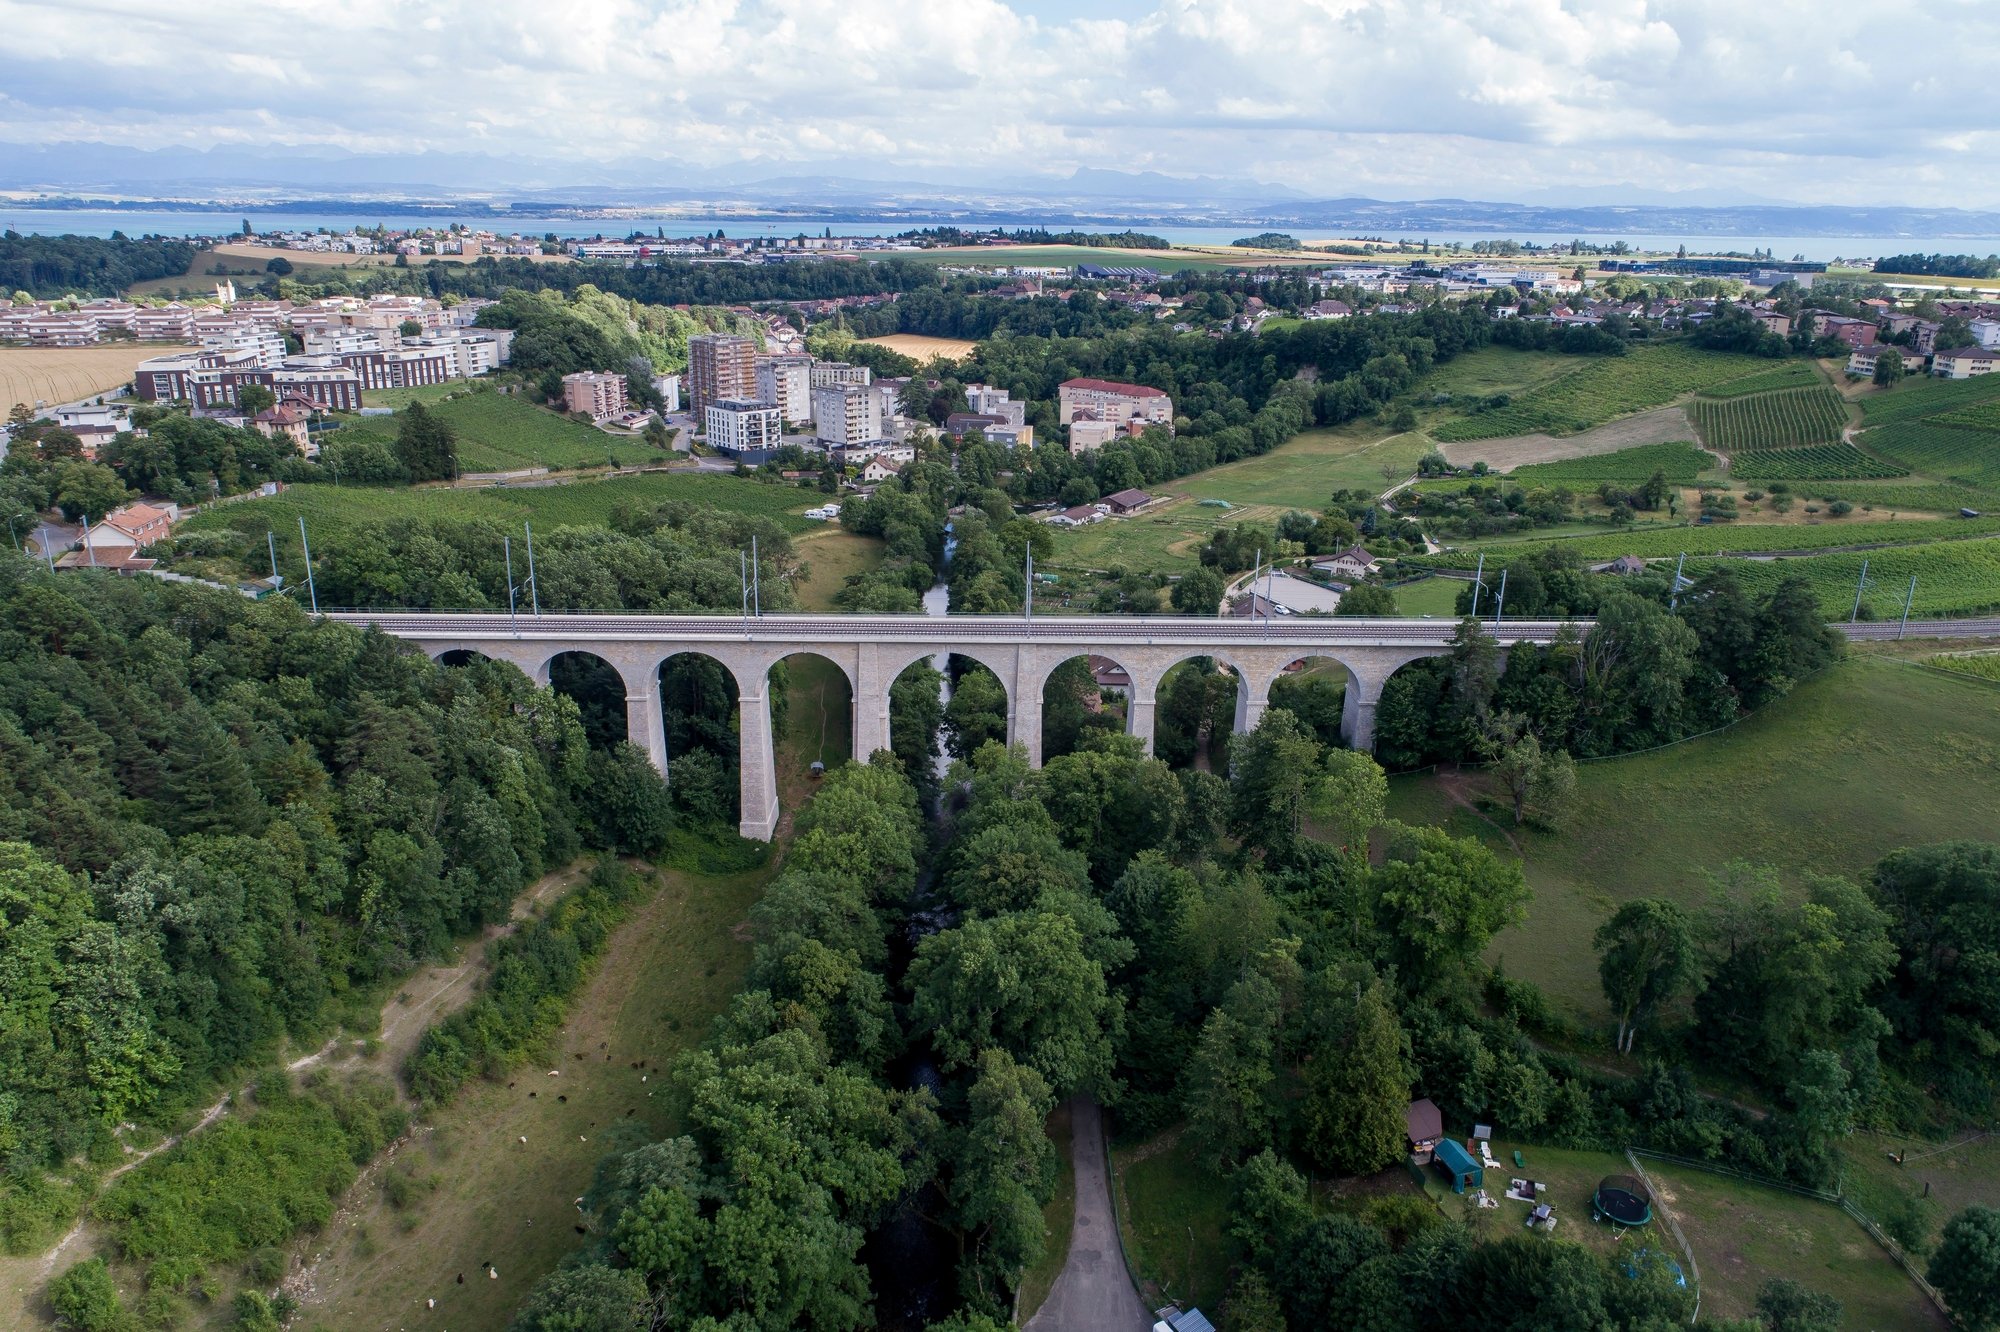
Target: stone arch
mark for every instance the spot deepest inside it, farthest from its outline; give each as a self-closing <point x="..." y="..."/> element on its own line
<point x="1305" y="686"/>
<point x="1190" y="731"/>
<point x="591" y="679"/>
<point x="1105" y="687"/>
<point x="819" y="707"/>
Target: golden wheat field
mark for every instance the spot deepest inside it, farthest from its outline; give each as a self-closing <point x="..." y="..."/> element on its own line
<point x="53" y="375"/>
<point x="921" y="348"/>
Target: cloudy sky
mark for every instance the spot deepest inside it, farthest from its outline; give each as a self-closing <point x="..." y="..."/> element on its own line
<point x="1822" y="101"/>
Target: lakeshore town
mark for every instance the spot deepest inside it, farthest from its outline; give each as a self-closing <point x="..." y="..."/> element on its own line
<point x="746" y="397"/>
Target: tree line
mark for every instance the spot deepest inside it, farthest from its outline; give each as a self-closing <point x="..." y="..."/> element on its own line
<point x="49" y="267"/>
<point x="220" y="815"/>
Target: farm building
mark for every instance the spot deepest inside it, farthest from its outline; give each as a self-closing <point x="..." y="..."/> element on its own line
<point x="1457" y="1165"/>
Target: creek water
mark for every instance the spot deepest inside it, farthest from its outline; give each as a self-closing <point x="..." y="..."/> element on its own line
<point x="912" y="1257"/>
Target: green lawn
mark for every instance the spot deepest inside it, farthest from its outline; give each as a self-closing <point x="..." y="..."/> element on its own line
<point x="1873" y="755"/>
<point x="1952" y="1175"/>
<point x="504" y="432"/>
<point x="1301" y="473"/>
<point x="1171" y="1214"/>
<point x="1603" y="388"/>
<point x="1306" y="469"/>
<point x="1744" y="1234"/>
<point x="1435" y="597"/>
<point x="830" y="555"/>
<point x="581" y="503"/>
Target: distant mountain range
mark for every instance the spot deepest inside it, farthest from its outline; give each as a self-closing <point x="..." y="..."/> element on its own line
<point x="88" y="175"/>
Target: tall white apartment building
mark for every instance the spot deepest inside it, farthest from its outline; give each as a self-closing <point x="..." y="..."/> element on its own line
<point x="846" y="414"/>
<point x="786" y="382"/>
<point x="736" y="425"/>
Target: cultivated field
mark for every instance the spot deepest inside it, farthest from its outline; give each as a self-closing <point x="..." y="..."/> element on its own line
<point x="1680" y="462"/>
<point x="1603" y="389"/>
<point x="50" y="376"/>
<point x="1668" y="425"/>
<point x="919" y="347"/>
<point x="1780" y="419"/>
<point x="1872" y="755"/>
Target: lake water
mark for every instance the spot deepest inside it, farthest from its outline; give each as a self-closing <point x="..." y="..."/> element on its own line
<point x="173" y="222"/>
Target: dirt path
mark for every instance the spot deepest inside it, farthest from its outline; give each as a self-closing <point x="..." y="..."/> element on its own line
<point x="1664" y="425"/>
<point x="1454" y="784"/>
<point x="435" y="992"/>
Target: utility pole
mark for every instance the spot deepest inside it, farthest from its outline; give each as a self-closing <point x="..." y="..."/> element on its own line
<point x="1256" y="572"/>
<point x="271" y="543"/>
<point x="1501" y="609"/>
<point x="1674" y="602"/>
<point x="743" y="572"/>
<point x="534" y="590"/>
<point x="1478" y="583"/>
<point x="89" y="544"/>
<point x="507" y="545"/>
<point x="1908" y="600"/>
<point x="46" y="553"/>
<point x="756" y="588"/>
<point x="1861" y="584"/>
<point x="311" y="589"/>
<point x="1028" y="586"/>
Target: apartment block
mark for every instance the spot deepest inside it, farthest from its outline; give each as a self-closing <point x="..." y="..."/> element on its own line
<point x="1107" y="400"/>
<point x="721" y="367"/>
<point x="743" y="425"/>
<point x="786" y="383"/>
<point x="846" y="414"/>
<point x="599" y="393"/>
<point x="826" y="373"/>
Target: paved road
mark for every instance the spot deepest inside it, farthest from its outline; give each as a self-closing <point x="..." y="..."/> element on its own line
<point x="1093" y="1294"/>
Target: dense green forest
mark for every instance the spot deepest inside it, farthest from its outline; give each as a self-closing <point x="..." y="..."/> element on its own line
<point x="48" y="267"/>
<point x="219" y="817"/>
<point x="1225" y="952"/>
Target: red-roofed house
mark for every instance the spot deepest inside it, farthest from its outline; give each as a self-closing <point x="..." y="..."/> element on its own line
<point x="1110" y="401"/>
<point x="123" y="533"/>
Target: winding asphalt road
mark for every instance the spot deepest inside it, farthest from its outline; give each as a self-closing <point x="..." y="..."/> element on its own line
<point x="1094" y="1293"/>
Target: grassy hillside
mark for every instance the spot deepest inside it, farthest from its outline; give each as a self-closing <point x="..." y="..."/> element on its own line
<point x="500" y="432"/>
<point x="1605" y="388"/>
<point x="1873" y="755"/>
<point x="328" y="508"/>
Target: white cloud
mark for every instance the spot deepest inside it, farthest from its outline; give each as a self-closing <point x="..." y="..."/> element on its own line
<point x="1824" y="100"/>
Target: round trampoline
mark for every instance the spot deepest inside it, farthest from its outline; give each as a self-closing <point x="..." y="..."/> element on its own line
<point x="1622" y="1200"/>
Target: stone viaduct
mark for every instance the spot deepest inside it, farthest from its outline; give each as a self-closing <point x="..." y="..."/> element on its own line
<point x="872" y="650"/>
